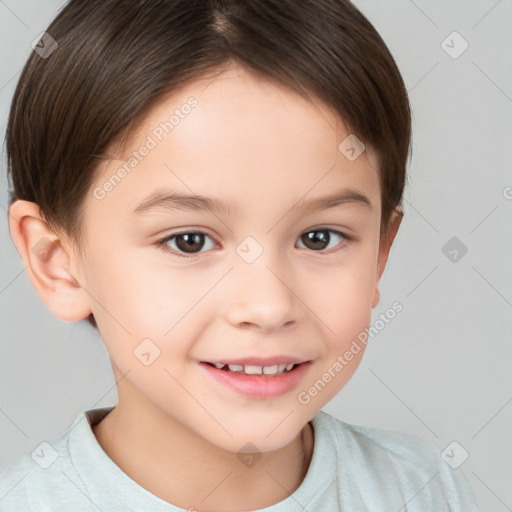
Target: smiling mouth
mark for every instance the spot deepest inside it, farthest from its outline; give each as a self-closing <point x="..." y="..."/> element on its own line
<point x="253" y="370"/>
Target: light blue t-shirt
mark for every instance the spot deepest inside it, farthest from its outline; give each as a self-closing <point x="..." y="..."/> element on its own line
<point x="353" y="469"/>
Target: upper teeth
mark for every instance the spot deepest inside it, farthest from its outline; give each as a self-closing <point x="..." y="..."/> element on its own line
<point x="257" y="370"/>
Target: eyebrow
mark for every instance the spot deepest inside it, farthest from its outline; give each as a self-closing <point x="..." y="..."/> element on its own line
<point x="173" y="200"/>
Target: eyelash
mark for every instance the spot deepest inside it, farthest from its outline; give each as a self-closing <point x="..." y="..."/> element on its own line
<point x="162" y="244"/>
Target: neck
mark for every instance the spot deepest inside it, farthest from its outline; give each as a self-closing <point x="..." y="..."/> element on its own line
<point x="172" y="465"/>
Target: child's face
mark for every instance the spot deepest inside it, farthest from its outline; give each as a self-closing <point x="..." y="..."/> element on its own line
<point x="255" y="287"/>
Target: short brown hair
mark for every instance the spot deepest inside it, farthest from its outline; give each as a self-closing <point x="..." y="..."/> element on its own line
<point x="116" y="58"/>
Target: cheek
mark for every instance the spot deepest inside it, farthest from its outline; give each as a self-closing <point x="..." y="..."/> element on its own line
<point x="122" y="293"/>
<point x="141" y="298"/>
<point x="344" y="312"/>
<point x="131" y="288"/>
<point x="341" y="295"/>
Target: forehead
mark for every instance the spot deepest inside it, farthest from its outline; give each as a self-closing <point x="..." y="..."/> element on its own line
<point x="243" y="137"/>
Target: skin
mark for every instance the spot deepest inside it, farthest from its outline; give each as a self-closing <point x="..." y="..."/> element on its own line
<point x="262" y="148"/>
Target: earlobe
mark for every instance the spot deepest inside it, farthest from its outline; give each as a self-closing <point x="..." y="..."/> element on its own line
<point x="376" y="296"/>
<point x="47" y="262"/>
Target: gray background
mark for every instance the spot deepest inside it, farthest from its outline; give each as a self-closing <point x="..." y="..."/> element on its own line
<point x="441" y="369"/>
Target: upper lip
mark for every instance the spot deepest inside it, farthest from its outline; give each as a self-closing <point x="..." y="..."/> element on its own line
<point x="260" y="361"/>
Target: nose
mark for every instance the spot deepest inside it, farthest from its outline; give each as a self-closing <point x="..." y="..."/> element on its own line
<point x="262" y="297"/>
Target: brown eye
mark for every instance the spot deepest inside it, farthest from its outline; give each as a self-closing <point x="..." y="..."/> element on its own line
<point x="319" y="239"/>
<point x="185" y="244"/>
<point x="190" y="242"/>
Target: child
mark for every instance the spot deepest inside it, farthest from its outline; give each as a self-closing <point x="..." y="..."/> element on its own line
<point x="274" y="135"/>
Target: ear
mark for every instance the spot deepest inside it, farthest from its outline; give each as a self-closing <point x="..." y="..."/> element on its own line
<point x="386" y="240"/>
<point x="47" y="262"/>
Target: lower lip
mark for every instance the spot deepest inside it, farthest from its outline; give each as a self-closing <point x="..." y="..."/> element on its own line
<point x="259" y="386"/>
